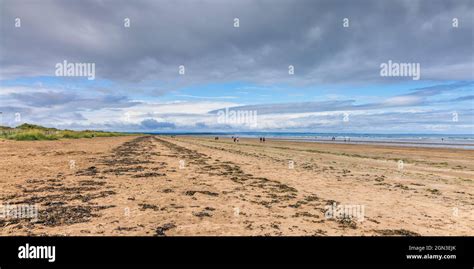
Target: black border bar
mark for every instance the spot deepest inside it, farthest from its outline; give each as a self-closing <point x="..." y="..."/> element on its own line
<point x="239" y="250"/>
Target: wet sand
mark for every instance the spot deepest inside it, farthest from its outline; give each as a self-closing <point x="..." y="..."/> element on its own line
<point x="157" y="186"/>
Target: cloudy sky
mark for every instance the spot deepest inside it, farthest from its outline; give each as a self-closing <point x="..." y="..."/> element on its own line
<point x="336" y="85"/>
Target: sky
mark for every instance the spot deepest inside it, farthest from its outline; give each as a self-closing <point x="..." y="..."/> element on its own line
<point x="185" y="66"/>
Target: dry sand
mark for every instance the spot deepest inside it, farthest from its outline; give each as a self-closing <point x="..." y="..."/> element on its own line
<point x="199" y="186"/>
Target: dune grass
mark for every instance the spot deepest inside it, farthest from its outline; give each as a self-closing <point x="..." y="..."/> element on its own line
<point x="31" y="132"/>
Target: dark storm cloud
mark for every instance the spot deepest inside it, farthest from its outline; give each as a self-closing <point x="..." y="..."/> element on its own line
<point x="272" y="35"/>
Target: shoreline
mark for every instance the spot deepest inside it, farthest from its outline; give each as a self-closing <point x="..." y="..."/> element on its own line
<point x="395" y="144"/>
<point x="400" y="141"/>
<point x="384" y="142"/>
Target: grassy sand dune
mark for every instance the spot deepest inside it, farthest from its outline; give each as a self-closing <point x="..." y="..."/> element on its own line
<point x="35" y="132"/>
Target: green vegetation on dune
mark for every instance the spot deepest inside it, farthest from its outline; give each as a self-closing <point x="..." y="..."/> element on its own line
<point x="35" y="132"/>
<point x="27" y="126"/>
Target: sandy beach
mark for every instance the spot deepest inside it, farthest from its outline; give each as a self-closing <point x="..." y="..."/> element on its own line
<point x="162" y="185"/>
